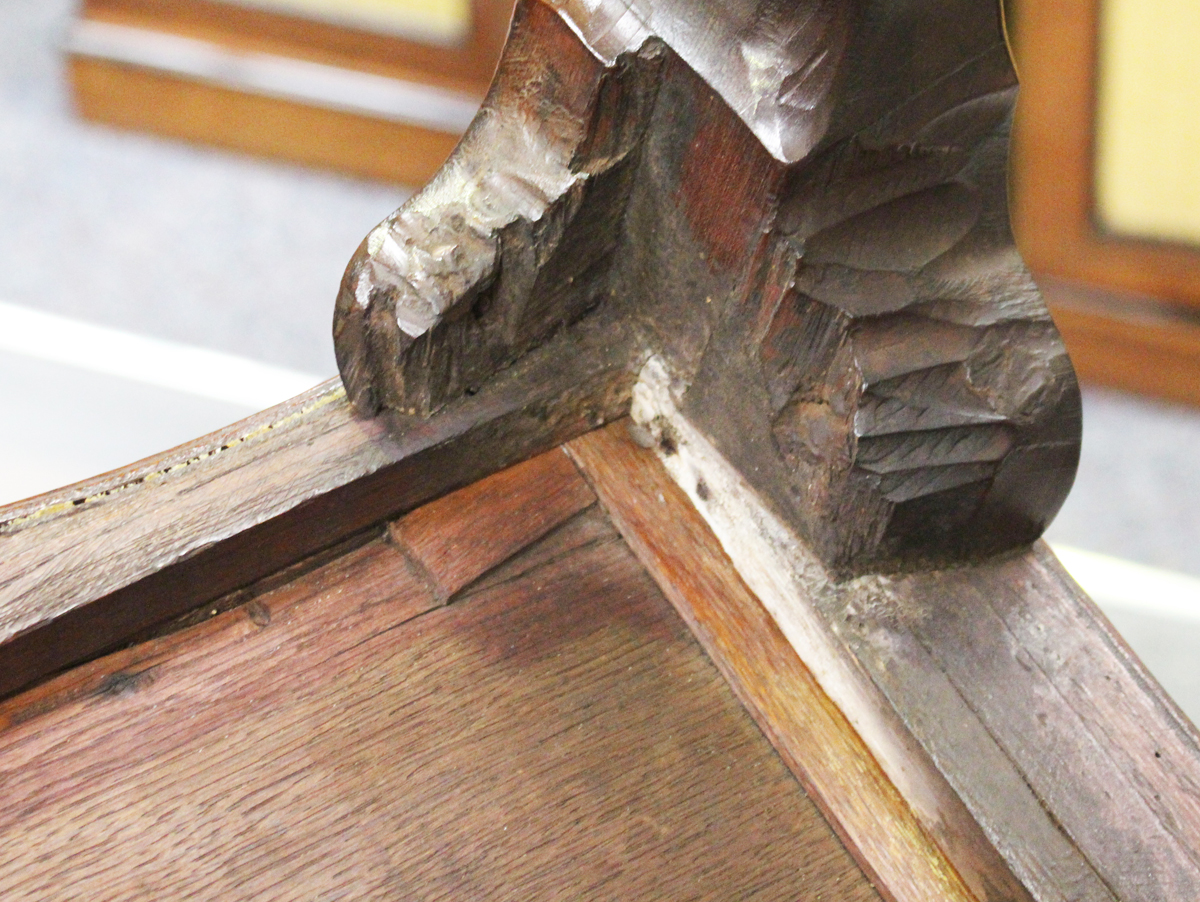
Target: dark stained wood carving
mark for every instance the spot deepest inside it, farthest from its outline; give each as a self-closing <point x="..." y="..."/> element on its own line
<point x="801" y="208"/>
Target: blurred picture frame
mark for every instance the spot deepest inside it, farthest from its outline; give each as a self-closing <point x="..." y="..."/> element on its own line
<point x="1094" y="208"/>
<point x="338" y="84"/>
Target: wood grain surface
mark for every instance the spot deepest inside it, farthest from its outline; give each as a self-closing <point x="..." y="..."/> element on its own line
<point x="1088" y="729"/>
<point x="84" y="567"/>
<point x="555" y="734"/>
<point x="457" y="539"/>
<point x="810" y="732"/>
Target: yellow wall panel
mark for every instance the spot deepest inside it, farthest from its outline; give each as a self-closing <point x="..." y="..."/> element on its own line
<point x="435" y="21"/>
<point x="1147" y="177"/>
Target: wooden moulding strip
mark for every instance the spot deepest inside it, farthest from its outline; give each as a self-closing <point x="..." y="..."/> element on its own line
<point x="269" y="75"/>
<point x="811" y="734"/>
<point x="1012" y="650"/>
<point x="85" y="567"/>
<point x="1032" y="750"/>
<point x="466" y="65"/>
<point x="358" y="122"/>
<point x="1054" y="201"/>
<point x="143" y="100"/>
<point x="457" y="539"/>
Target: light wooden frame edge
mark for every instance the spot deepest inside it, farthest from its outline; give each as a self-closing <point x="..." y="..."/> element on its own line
<point x="1128" y="308"/>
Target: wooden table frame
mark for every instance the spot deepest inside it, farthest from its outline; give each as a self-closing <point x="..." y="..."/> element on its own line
<point x="969" y="723"/>
<point x="961" y="760"/>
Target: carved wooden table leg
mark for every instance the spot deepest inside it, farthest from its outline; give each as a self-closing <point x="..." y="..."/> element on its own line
<point x="790" y="220"/>
<point x="801" y="209"/>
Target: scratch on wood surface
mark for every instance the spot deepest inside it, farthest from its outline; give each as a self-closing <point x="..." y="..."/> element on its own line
<point x="324" y="394"/>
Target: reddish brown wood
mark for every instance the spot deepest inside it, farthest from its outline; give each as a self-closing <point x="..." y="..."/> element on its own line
<point x="590" y="527"/>
<point x="86" y="566"/>
<point x="458" y="538"/>
<point x="673" y="542"/>
<point x="387" y="594"/>
<point x="1061" y="763"/>
<point x="555" y="735"/>
<point x="832" y="322"/>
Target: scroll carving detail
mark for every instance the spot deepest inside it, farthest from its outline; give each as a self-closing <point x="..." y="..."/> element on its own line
<point x="801" y="208"/>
